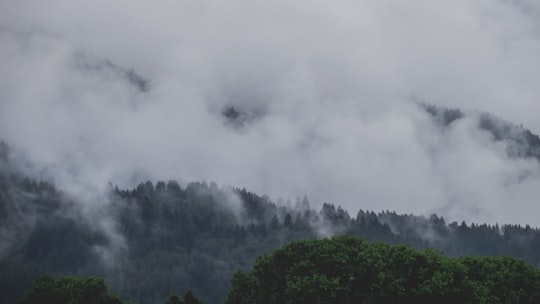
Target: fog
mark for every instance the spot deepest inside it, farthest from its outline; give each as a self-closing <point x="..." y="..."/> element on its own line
<point x="98" y="92"/>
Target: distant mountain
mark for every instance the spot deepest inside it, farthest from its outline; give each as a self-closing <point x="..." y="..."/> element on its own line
<point x="163" y="237"/>
<point x="521" y="142"/>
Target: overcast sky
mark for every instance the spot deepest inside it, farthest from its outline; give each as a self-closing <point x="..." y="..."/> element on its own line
<point x="325" y="87"/>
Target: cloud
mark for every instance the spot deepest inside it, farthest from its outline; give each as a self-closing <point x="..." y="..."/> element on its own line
<point x="96" y="92"/>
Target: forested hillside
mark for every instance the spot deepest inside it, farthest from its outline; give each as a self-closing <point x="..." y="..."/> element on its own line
<point x="520" y="142"/>
<point x="158" y="238"/>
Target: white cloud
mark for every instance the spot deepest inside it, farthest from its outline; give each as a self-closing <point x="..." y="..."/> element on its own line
<point x="329" y="86"/>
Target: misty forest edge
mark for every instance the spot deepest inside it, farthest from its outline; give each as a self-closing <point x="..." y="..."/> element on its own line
<point x="159" y="238"/>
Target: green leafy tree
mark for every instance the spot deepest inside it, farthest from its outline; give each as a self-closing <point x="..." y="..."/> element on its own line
<point x="69" y="290"/>
<point x="190" y="298"/>
<point x="174" y="298"/>
<point x="349" y="270"/>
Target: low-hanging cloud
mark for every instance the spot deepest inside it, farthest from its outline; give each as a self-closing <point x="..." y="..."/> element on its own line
<point x="97" y="91"/>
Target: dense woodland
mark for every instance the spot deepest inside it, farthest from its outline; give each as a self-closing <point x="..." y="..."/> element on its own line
<point x="163" y="237"/>
<point x="345" y="270"/>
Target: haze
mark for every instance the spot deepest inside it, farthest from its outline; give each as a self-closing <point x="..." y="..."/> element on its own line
<point x="98" y="92"/>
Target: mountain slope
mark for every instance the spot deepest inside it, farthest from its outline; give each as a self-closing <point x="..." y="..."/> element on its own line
<point x="166" y="237"/>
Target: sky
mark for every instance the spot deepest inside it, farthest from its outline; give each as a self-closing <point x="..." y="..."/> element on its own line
<point x="98" y="92"/>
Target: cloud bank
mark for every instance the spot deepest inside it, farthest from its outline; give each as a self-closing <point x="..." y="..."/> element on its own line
<point x="93" y="92"/>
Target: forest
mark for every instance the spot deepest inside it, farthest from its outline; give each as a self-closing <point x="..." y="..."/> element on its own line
<point x="342" y="269"/>
<point x="162" y="237"/>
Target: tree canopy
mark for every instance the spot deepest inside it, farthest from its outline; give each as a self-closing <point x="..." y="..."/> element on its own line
<point x="350" y="270"/>
<point x="69" y="290"/>
<point x="80" y="290"/>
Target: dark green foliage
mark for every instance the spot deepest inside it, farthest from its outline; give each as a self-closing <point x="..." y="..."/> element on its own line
<point x="189" y="298"/>
<point x="78" y="290"/>
<point x="351" y="270"/>
<point x="174" y="299"/>
<point x="69" y="290"/>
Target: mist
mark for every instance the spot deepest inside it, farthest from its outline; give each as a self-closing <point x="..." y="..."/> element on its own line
<point x="322" y="97"/>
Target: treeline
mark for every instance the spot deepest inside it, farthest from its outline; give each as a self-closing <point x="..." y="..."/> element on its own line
<point x="79" y="290"/>
<point x="162" y="237"/>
